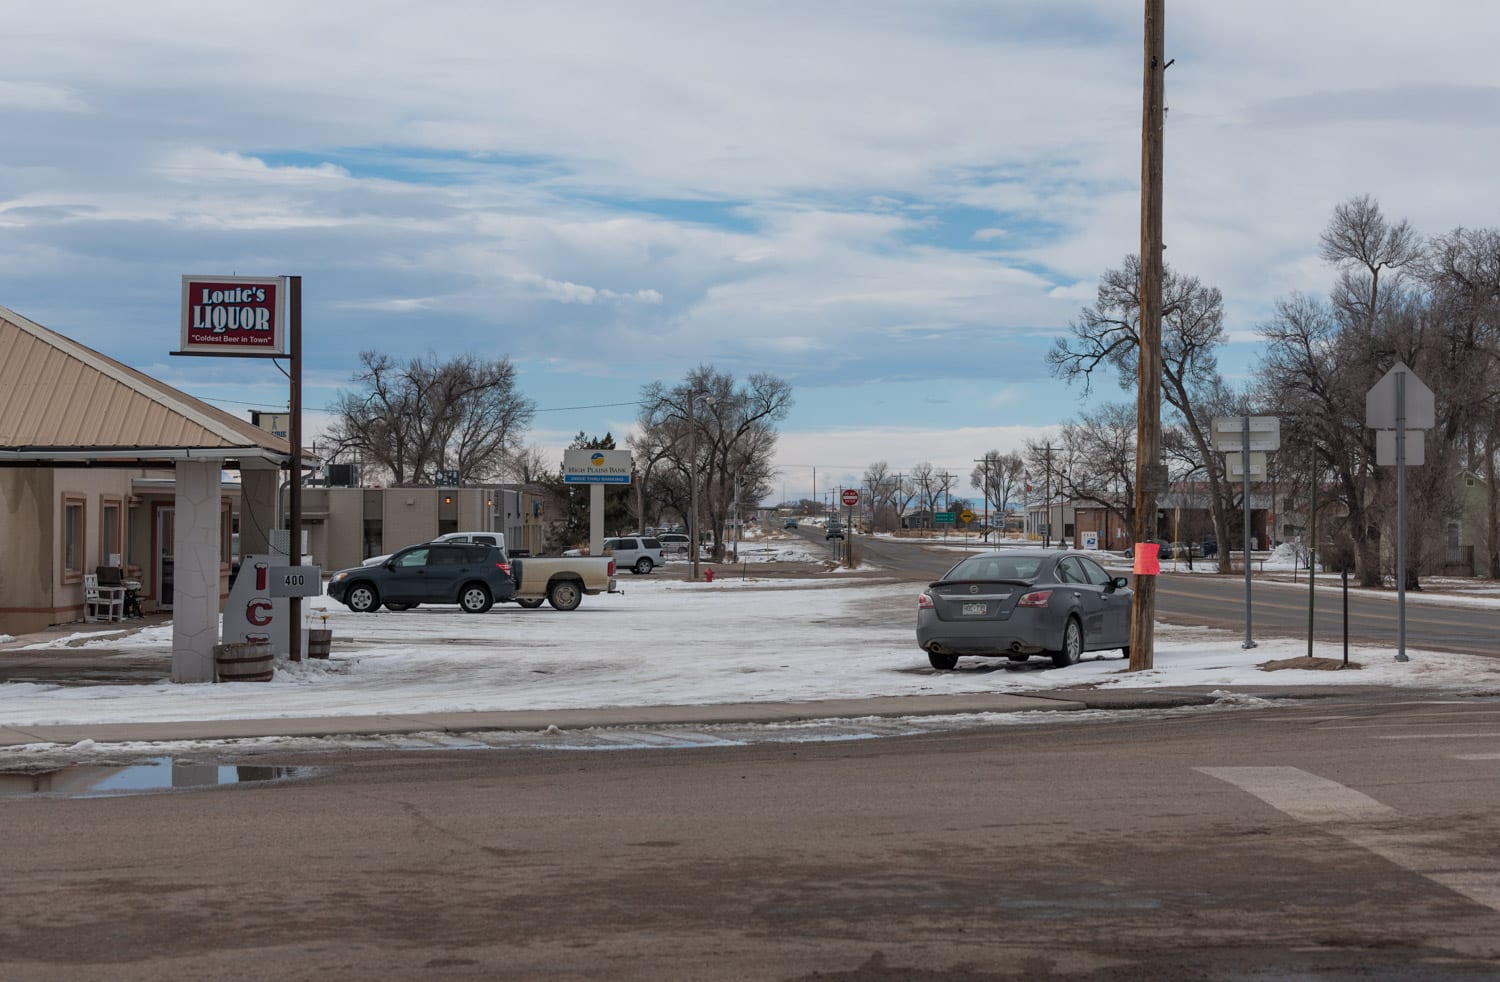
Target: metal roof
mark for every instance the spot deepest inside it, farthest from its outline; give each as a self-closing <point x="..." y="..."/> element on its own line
<point x="62" y="402"/>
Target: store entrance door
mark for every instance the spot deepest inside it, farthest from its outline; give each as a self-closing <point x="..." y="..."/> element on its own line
<point x="164" y="552"/>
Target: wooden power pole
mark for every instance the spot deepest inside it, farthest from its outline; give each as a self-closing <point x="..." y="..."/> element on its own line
<point x="1150" y="473"/>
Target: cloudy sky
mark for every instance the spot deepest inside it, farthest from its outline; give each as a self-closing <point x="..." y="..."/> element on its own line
<point x="896" y="206"/>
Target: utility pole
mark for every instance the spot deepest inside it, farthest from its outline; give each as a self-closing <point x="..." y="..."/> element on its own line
<point x="1047" y="497"/>
<point x="984" y="479"/>
<point x="1150" y="473"/>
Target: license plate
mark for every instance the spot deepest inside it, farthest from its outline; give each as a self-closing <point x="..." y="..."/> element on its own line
<point x="975" y="609"/>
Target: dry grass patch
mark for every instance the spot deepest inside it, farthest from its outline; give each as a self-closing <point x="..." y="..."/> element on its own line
<point x="1316" y="664"/>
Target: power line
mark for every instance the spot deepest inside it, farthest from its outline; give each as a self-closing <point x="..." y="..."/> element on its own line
<point x="282" y="407"/>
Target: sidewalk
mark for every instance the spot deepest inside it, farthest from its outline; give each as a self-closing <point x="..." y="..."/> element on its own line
<point x="1061" y="700"/>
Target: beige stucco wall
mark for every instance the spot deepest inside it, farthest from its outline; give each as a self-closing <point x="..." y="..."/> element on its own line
<point x="35" y="590"/>
<point x="26" y="559"/>
<point x="343" y="528"/>
<point x="409" y="516"/>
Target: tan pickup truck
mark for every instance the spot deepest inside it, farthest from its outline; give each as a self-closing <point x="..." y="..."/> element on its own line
<point x="561" y="580"/>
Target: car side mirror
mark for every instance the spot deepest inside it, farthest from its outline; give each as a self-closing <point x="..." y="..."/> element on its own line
<point x="1119" y="583"/>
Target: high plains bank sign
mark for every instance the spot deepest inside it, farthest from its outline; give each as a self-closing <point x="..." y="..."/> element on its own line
<point x="233" y="315"/>
<point x="596" y="466"/>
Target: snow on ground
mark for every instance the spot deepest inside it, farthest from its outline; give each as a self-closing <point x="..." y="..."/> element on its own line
<point x="668" y="642"/>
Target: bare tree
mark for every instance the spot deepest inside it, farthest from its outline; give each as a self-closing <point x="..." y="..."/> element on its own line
<point x="1101" y="446"/>
<point x="1000" y="477"/>
<point x="1362" y="243"/>
<point x="732" y="428"/>
<point x="527" y="465"/>
<point x="1107" y="336"/>
<point x="881" y="488"/>
<point x="426" y="419"/>
<point x="1463" y="271"/>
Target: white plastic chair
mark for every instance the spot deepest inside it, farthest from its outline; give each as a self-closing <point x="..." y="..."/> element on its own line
<point x="102" y="603"/>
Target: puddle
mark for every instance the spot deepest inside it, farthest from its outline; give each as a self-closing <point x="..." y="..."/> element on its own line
<point x="143" y="777"/>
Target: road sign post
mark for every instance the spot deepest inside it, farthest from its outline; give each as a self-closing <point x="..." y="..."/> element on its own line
<point x="1250" y="437"/>
<point x="850" y="498"/>
<point x="1398" y="401"/>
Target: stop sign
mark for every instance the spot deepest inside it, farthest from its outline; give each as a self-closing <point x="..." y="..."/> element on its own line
<point x="850" y="497"/>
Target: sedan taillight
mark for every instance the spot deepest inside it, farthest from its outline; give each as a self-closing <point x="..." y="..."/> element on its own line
<point x="924" y="602"/>
<point x="1036" y="598"/>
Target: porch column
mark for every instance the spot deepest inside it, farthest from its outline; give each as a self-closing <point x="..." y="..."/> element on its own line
<point x="195" y="591"/>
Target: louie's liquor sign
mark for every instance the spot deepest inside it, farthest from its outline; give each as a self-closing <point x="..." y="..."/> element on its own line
<point x="233" y="315"/>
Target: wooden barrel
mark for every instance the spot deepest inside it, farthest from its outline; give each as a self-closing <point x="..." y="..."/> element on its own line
<point x="243" y="662"/>
<point x="319" y="640"/>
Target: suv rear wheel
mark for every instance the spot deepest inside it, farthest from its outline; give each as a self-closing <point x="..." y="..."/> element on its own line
<point x="643" y="565"/>
<point x="474" y="598"/>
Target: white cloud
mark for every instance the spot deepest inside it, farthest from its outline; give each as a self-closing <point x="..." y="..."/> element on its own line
<point x="615" y="194"/>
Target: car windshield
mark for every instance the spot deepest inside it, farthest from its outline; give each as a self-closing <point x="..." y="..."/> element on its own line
<point x="995" y="568"/>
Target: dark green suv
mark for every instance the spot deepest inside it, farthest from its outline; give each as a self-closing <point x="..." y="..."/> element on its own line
<point x="473" y="576"/>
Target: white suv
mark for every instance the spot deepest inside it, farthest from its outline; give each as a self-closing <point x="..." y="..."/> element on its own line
<point x="637" y="553"/>
<point x="476" y="538"/>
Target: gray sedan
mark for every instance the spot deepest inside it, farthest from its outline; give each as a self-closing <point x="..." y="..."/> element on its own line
<point x="1014" y="603"/>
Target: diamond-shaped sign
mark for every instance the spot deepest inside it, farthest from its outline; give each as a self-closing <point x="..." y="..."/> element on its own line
<point x="1380" y="402"/>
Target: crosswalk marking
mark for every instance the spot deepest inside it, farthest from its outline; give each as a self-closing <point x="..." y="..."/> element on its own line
<point x="1440" y="856"/>
<point x="1439" y="736"/>
<point x="1302" y="795"/>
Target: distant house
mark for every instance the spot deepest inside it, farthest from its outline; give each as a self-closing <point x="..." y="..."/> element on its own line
<point x="1466" y="536"/>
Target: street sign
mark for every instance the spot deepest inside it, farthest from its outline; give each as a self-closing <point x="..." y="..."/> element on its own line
<point x="966" y="516"/>
<point x="1227" y="434"/>
<point x="850" y="497"/>
<point x="1380" y="401"/>
<point x="596" y="466"/>
<point x="944" y="517"/>
<point x="1237" y="464"/>
<point x="295" y="581"/>
<point x="1385" y="448"/>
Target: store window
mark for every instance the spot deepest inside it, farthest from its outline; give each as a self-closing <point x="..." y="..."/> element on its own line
<point x="73" y="538"/>
<point x="134" y="544"/>
<point x="228" y="542"/>
<point x="109" y="532"/>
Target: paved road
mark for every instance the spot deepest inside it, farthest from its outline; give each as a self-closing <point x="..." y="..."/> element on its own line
<point x="1280" y="608"/>
<point x="1335" y="840"/>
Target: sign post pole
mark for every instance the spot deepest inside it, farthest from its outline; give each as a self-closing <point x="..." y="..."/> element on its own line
<point x="850" y="498"/>
<point x="1401" y="517"/>
<point x="294" y="437"/>
<point x="1245" y="493"/>
<point x="1400" y="399"/>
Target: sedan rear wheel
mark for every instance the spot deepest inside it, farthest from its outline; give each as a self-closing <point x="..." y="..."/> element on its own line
<point x="530" y="603"/>
<point x="398" y="607"/>
<point x="942" y="662"/>
<point x="1072" y="645"/>
<point x="475" y="599"/>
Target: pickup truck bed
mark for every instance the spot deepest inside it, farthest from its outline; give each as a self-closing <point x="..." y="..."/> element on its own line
<point x="561" y="581"/>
